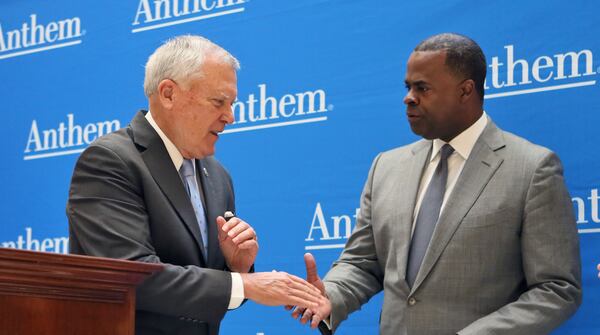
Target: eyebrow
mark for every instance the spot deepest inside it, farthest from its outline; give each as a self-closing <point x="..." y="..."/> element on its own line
<point x="415" y="83"/>
<point x="223" y="95"/>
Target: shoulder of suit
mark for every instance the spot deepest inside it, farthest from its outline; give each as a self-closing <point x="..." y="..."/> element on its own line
<point x="118" y="142"/>
<point x="406" y="150"/>
<point x="517" y="147"/>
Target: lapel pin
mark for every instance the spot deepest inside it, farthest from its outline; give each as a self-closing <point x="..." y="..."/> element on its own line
<point x="205" y="172"/>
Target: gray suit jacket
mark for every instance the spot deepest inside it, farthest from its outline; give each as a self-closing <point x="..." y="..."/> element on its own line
<point x="127" y="201"/>
<point x="504" y="256"/>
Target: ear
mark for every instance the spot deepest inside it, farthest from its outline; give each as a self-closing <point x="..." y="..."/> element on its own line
<point x="467" y="90"/>
<point x="167" y="90"/>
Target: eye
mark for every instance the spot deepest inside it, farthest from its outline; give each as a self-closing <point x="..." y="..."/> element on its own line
<point x="218" y="102"/>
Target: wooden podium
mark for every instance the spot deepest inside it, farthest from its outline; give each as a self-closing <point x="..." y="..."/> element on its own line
<point x="46" y="294"/>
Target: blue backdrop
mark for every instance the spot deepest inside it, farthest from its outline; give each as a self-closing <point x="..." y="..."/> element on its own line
<point x="320" y="94"/>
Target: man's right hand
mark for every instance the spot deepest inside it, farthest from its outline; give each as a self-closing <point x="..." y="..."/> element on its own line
<point x="313" y="315"/>
<point x="279" y="289"/>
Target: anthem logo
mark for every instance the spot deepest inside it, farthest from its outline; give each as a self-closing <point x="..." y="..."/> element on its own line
<point x="329" y="232"/>
<point x="586" y="212"/>
<point x="261" y="110"/>
<point x="58" y="245"/>
<point x="510" y="75"/>
<point x="35" y="36"/>
<point x="66" y="139"/>
<point x="156" y="14"/>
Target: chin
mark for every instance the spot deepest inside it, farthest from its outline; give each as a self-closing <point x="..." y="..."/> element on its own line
<point x="418" y="131"/>
<point x="207" y="153"/>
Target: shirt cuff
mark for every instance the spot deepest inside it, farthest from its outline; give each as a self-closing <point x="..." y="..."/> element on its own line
<point x="237" y="291"/>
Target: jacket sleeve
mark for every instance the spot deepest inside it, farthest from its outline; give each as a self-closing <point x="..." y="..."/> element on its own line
<point x="356" y="276"/>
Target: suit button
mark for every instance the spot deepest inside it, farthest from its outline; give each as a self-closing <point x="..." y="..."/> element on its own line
<point x="412" y="301"/>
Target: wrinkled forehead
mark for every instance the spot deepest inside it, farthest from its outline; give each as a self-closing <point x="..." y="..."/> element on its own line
<point x="219" y="77"/>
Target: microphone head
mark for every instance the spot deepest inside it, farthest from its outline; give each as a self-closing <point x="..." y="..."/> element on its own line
<point x="228" y="215"/>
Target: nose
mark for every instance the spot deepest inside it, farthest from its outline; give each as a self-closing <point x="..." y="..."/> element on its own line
<point x="410" y="99"/>
<point x="228" y="116"/>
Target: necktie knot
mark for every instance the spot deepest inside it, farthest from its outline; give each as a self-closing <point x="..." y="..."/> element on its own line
<point x="446" y="151"/>
<point x="187" y="168"/>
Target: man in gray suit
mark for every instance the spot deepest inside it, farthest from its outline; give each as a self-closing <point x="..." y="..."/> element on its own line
<point x="152" y="192"/>
<point x="467" y="231"/>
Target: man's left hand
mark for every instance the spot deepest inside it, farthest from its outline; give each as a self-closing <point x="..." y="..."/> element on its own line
<point x="238" y="243"/>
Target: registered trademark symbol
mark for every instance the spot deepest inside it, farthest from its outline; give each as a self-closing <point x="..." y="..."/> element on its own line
<point x="598" y="69"/>
<point x="330" y="107"/>
<point x="83" y="32"/>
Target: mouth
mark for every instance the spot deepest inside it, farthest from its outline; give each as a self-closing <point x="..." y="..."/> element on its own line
<point x="216" y="132"/>
<point x="412" y="116"/>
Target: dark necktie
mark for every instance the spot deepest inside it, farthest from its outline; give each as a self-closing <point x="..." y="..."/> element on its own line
<point x="428" y="216"/>
<point x="189" y="180"/>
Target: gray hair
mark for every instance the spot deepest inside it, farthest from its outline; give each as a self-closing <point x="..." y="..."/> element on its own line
<point x="180" y="58"/>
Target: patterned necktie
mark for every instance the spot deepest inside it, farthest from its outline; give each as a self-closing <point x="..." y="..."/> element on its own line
<point x="189" y="177"/>
<point x="428" y="216"/>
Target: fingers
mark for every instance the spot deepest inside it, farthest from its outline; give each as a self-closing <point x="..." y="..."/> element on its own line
<point x="238" y="230"/>
<point x="306" y="316"/>
<point x="302" y="297"/>
<point x="220" y="224"/>
<point x="232" y="222"/>
<point x="241" y="233"/>
<point x="313" y="318"/>
<point x="308" y="286"/>
<point x="298" y="311"/>
<point x="316" y="319"/>
<point x="309" y="295"/>
<point x="302" y="302"/>
<point x="311" y="268"/>
<point x="247" y="245"/>
<point x="321" y="313"/>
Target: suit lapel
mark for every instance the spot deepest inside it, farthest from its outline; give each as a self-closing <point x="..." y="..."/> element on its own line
<point x="159" y="164"/>
<point x="406" y="203"/>
<point x="212" y="212"/>
<point x="483" y="162"/>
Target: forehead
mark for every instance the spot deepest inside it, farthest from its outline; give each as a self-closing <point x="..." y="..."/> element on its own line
<point x="218" y="77"/>
<point x="426" y="64"/>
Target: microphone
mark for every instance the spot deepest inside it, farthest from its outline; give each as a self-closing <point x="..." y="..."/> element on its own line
<point x="228" y="215"/>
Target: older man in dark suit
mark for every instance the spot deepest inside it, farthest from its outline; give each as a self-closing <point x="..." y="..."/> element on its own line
<point x="152" y="192"/>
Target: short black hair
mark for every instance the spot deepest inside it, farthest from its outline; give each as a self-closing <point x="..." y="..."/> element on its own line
<point x="464" y="57"/>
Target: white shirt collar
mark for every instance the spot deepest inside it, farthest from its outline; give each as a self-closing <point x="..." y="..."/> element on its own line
<point x="464" y="142"/>
<point x="175" y="155"/>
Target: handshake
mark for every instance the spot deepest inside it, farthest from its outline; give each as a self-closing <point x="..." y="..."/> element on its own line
<point x="306" y="298"/>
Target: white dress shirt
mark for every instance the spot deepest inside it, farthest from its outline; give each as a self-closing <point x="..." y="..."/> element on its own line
<point x="237" y="285"/>
<point x="463" y="145"/>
